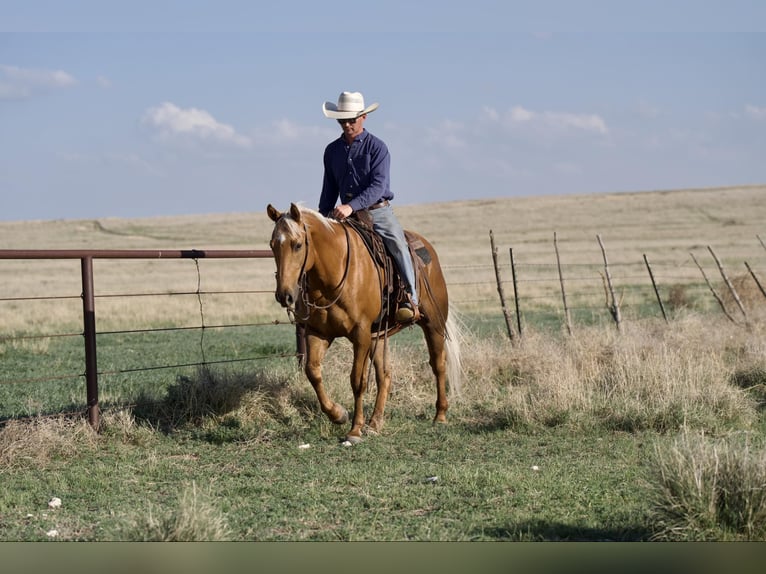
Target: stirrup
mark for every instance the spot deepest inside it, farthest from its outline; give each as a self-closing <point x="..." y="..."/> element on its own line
<point x="407" y="313"/>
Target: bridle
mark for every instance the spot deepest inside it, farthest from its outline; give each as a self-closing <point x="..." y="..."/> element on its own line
<point x="303" y="280"/>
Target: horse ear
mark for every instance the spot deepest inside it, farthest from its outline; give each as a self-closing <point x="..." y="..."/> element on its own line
<point x="273" y="213"/>
<point x="295" y="212"/>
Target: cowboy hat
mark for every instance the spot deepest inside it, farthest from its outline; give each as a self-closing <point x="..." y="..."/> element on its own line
<point x="350" y="105"/>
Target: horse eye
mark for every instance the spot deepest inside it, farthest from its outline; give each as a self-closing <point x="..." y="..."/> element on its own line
<point x="298" y="246"/>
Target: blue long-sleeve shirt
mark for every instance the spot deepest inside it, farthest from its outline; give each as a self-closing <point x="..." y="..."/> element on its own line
<point x="357" y="174"/>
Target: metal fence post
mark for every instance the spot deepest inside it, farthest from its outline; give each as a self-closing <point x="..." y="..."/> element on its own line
<point x="89" y="333"/>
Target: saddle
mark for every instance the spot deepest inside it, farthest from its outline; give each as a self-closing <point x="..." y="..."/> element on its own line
<point x="394" y="290"/>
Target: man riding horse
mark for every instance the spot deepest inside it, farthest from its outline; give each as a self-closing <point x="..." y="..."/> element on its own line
<point x="357" y="172"/>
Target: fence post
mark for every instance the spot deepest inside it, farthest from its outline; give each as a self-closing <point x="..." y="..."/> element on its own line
<point x="300" y="343"/>
<point x="89" y="333"/>
<point x="656" y="291"/>
<point x="755" y="278"/>
<point x="516" y="295"/>
<point x="500" y="290"/>
<point x="712" y="290"/>
<point x="728" y="283"/>
<point x="561" y="281"/>
<point x="614" y="308"/>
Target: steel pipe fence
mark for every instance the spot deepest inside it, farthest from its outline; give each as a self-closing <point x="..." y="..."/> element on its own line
<point x="86" y="257"/>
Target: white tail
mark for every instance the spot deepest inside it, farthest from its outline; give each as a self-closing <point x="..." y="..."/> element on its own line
<point x="455" y="337"/>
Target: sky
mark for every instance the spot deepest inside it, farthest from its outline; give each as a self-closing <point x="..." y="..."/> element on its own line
<point x="142" y="109"/>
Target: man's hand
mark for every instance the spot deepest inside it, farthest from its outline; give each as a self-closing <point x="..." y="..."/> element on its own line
<point x="342" y="212"/>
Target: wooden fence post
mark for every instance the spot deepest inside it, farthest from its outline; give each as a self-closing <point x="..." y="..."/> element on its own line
<point x="516" y="295"/>
<point x="614" y="308"/>
<point x="500" y="290"/>
<point x="729" y="284"/>
<point x="656" y="291"/>
<point x="561" y="281"/>
<point x="712" y="290"/>
<point x="755" y="278"/>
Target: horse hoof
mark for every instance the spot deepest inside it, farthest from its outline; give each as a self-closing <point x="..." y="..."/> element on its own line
<point x="352" y="439"/>
<point x="343" y="418"/>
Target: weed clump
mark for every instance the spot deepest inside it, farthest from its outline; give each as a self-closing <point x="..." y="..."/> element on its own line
<point x="710" y="489"/>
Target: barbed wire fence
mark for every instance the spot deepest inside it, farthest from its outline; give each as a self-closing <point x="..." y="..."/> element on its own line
<point x="497" y="294"/>
<point x="565" y="294"/>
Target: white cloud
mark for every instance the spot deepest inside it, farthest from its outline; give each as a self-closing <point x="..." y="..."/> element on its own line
<point x="172" y="121"/>
<point x="519" y="116"/>
<point x="755" y="112"/>
<point x="448" y="134"/>
<point x="21" y="83"/>
<point x="556" y="120"/>
<point x="284" y="131"/>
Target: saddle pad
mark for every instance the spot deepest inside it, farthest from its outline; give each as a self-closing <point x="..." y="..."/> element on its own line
<point x="418" y="247"/>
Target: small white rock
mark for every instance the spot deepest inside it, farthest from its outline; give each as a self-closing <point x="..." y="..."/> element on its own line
<point x="52" y="533"/>
<point x="54" y="502"/>
<point x="304" y="446"/>
<point x="535" y="468"/>
<point x="432" y="478"/>
<point x="346" y="443"/>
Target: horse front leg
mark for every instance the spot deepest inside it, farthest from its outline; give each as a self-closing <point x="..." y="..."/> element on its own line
<point x="383" y="378"/>
<point x="359" y="385"/>
<point x="316" y="348"/>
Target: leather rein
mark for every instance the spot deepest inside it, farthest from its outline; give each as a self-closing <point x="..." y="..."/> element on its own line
<point x="304" y="278"/>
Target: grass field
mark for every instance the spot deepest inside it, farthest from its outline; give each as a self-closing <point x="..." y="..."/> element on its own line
<point x="653" y="434"/>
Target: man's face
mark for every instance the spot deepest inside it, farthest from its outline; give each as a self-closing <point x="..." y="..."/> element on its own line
<point x="352" y="128"/>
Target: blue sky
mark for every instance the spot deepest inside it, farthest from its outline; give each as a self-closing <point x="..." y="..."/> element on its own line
<point x="167" y="107"/>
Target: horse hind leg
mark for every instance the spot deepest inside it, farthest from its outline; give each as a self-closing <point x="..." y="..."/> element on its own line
<point x="438" y="360"/>
<point x="316" y="348"/>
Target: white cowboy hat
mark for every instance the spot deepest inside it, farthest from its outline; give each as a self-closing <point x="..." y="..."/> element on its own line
<point x="350" y="105"/>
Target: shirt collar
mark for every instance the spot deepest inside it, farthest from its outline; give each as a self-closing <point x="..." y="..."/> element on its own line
<point x="360" y="138"/>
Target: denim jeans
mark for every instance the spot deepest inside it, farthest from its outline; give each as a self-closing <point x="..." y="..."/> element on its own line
<point x="388" y="227"/>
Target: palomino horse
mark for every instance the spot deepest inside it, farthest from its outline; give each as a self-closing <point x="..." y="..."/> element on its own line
<point x="327" y="278"/>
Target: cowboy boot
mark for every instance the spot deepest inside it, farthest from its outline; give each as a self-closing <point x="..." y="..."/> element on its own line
<point x="407" y="312"/>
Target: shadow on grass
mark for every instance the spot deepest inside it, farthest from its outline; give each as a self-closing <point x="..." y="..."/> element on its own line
<point x="237" y="401"/>
<point x="753" y="381"/>
<point x="540" y="531"/>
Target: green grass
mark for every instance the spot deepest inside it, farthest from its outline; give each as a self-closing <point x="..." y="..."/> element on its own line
<point x="555" y="439"/>
<point x="485" y="486"/>
<point x="50" y="378"/>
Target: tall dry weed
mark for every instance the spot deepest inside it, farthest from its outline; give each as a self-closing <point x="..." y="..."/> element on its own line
<point x="253" y="402"/>
<point x="706" y="488"/>
<point x="194" y="519"/>
<point x="36" y="443"/>
<point x="652" y="377"/>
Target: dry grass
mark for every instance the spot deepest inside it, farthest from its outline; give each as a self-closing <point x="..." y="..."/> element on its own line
<point x="37" y="443"/>
<point x="705" y="486"/>
<point x="665" y="226"/>
<point x="195" y="519"/>
<point x="651" y="378"/>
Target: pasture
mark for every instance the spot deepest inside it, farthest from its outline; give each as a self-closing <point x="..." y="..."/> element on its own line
<point x="655" y="433"/>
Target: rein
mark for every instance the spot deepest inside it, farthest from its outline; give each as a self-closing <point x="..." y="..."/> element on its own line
<point x="304" y="278"/>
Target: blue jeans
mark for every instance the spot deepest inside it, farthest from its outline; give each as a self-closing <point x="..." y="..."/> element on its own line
<point x="388" y="227"/>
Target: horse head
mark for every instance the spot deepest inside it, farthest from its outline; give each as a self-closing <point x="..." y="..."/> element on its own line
<point x="289" y="243"/>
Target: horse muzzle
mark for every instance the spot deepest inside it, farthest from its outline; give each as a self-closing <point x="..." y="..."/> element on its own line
<point x="286" y="297"/>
